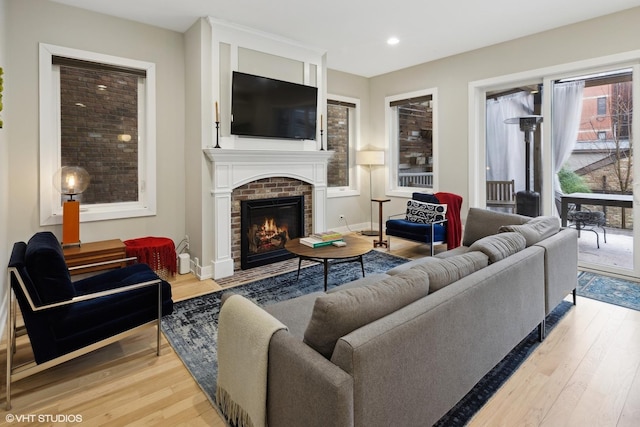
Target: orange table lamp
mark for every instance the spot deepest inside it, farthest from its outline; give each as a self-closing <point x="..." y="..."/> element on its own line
<point x="71" y="181"/>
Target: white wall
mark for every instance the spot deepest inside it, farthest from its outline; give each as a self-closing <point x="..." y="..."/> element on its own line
<point x="5" y="243"/>
<point x="30" y="22"/>
<point x="355" y="208"/>
<point x="590" y="39"/>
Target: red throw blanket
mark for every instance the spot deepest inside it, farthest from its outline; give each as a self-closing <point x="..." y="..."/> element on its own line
<point x="454" y="225"/>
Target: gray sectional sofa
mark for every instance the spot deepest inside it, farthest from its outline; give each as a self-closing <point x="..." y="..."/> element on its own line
<point x="404" y="347"/>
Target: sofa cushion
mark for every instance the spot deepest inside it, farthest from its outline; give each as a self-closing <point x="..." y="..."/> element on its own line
<point x="338" y="313"/>
<point x="47" y="268"/>
<point x="443" y="272"/>
<point x="358" y="283"/>
<point x="482" y="223"/>
<point x="425" y="213"/>
<point x="535" y="230"/>
<point x="499" y="246"/>
<point x="411" y="264"/>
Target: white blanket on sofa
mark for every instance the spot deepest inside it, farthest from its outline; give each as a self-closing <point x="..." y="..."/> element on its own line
<point x="244" y="334"/>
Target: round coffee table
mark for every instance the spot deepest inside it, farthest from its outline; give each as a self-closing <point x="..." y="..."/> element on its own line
<point x="330" y="254"/>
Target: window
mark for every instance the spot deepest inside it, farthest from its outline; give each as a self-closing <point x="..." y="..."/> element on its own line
<point x="342" y="131"/>
<point x="602" y="105"/>
<point x="412" y="141"/>
<point x="97" y="112"/>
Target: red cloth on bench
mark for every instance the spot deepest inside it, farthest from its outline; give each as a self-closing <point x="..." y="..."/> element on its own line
<point x="157" y="252"/>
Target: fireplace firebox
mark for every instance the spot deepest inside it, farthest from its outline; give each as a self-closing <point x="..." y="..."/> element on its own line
<point x="265" y="227"/>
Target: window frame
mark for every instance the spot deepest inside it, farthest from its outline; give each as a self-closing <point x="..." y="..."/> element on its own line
<point x="391" y="124"/>
<point x="50" y="144"/>
<point x="353" y="189"/>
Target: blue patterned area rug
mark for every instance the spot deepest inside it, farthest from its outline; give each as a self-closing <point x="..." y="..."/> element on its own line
<point x="192" y="328"/>
<point x="607" y="289"/>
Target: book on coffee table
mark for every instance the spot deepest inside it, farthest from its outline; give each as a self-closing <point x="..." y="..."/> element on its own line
<point x="314" y="242"/>
<point x="327" y="235"/>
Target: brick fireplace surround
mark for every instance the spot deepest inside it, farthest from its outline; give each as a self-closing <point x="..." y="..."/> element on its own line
<point x="266" y="188"/>
<point x="232" y="169"/>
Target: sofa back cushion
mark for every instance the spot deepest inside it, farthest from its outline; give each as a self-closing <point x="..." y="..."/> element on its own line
<point x="338" y="313"/>
<point x="535" y="230"/>
<point x="47" y="268"/>
<point x="499" y="246"/>
<point x="443" y="272"/>
<point x="482" y="223"/>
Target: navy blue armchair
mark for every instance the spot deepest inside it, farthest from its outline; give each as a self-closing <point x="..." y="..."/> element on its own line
<point x="66" y="319"/>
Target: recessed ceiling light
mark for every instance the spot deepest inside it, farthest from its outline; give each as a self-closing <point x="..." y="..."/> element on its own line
<point x="393" y="41"/>
<point x="102" y="87"/>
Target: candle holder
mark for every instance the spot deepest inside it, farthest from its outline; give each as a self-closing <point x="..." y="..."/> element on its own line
<point x="321" y="140"/>
<point x="217" y="135"/>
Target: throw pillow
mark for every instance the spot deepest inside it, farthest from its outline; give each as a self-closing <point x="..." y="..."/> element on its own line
<point x="448" y="270"/>
<point x="425" y="213"/>
<point x="499" y="246"/>
<point x="336" y="314"/>
<point x="482" y="223"/>
<point x="535" y="230"/>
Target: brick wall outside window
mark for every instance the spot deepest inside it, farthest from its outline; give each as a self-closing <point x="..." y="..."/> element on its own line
<point x="91" y="121"/>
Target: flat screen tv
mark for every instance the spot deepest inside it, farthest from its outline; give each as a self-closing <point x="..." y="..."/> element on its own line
<point x="269" y="108"/>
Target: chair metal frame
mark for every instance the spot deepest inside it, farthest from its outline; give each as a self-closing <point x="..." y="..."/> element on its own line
<point x="15" y="373"/>
<point x="501" y="194"/>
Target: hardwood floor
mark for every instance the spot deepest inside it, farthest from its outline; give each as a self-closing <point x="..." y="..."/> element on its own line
<point x="586" y="373"/>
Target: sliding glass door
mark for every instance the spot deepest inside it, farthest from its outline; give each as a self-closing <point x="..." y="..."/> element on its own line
<point x="592" y="142"/>
<point x="581" y="157"/>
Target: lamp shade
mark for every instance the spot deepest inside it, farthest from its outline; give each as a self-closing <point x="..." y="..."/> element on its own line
<point x="370" y="157"/>
<point x="71" y="180"/>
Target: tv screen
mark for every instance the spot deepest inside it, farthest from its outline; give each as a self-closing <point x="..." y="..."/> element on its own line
<point x="270" y="108"/>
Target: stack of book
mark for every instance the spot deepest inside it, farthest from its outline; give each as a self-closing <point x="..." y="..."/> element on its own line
<point x="317" y="240"/>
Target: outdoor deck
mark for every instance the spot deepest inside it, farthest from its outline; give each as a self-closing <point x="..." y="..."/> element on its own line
<point x="618" y="251"/>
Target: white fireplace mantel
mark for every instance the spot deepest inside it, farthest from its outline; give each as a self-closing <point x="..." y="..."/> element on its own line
<point x="233" y="168"/>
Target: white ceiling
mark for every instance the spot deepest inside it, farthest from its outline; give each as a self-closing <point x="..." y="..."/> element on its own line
<point x="354" y="32"/>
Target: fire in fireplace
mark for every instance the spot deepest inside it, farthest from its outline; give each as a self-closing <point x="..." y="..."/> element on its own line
<point x="266" y="226"/>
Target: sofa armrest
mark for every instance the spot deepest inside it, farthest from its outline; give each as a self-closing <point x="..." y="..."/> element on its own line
<point x="304" y="388"/>
<point x="560" y="266"/>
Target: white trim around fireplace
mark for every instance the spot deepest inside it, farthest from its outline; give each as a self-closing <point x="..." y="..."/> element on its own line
<point x="233" y="168"/>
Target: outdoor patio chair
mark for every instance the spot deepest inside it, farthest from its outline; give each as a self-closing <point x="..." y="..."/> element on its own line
<point x="587" y="220"/>
<point x="66" y="319"/>
<point x="501" y="194"/>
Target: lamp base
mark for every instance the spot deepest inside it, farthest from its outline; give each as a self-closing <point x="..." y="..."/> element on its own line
<point x="71" y="223"/>
<point x="369" y="232"/>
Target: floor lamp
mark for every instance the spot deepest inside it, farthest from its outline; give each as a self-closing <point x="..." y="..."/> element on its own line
<point x="370" y="158"/>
